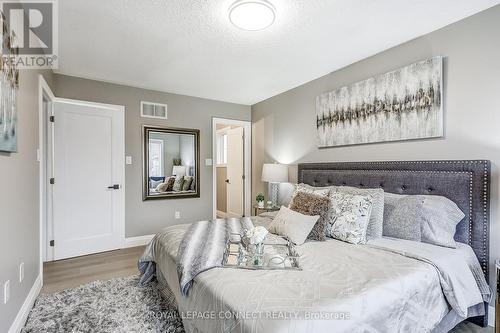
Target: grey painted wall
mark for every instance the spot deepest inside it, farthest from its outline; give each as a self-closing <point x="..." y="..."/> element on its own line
<point x="19" y="238"/>
<point x="284" y="126"/>
<point x="143" y="218"/>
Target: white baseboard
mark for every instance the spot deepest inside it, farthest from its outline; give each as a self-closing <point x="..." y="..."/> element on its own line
<point x="23" y="313"/>
<point x="138" y="241"/>
<point x="491" y="316"/>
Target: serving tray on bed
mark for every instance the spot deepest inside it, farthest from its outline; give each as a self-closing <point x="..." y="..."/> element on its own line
<point x="270" y="255"/>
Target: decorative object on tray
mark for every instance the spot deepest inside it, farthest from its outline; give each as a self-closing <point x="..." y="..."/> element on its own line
<point x="260" y="200"/>
<point x="400" y="105"/>
<point x="274" y="173"/>
<point x="253" y="250"/>
<point x="9" y="85"/>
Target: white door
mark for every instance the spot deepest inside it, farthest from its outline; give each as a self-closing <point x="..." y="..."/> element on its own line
<point x="89" y="157"/>
<point x="235" y="172"/>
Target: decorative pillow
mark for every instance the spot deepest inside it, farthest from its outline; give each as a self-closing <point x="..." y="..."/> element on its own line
<point x="270" y="215"/>
<point x="162" y="187"/>
<point x="312" y="204"/>
<point x="401" y="216"/>
<point x="154" y="183"/>
<point x="436" y="217"/>
<point x="376" y="222"/>
<point x="311" y="189"/>
<point x="293" y="225"/>
<point x="187" y="183"/>
<point x="170" y="184"/>
<point x="179" y="181"/>
<point x="349" y="217"/>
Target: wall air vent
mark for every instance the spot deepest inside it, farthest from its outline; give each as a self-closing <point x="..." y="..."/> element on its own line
<point x="153" y="110"/>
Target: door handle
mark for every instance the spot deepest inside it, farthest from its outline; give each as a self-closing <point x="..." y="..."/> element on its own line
<point x="227" y="181"/>
<point x="114" y="187"/>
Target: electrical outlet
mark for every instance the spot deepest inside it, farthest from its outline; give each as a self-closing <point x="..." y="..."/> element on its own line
<point x="128" y="160"/>
<point x="177" y="215"/>
<point x="6" y="292"/>
<point x="21" y="272"/>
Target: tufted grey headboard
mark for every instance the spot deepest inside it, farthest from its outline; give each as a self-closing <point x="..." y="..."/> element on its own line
<point x="467" y="183"/>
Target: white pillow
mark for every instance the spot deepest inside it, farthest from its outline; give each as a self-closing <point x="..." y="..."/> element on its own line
<point x="293" y="225"/>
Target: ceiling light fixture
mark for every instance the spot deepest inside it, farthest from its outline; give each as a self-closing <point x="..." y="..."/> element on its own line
<point x="252" y="15"/>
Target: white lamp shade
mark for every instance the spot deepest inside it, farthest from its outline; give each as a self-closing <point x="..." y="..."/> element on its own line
<point x="179" y="170"/>
<point x="275" y="173"/>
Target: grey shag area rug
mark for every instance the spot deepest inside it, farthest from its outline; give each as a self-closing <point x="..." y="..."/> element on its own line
<point x="117" y="305"/>
<point x="120" y="305"/>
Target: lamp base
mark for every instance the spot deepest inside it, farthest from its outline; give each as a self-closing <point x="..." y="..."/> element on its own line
<point x="273" y="193"/>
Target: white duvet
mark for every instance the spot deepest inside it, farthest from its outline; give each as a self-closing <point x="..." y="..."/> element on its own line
<point x="387" y="285"/>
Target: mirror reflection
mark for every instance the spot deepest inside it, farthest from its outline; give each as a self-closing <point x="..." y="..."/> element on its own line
<point x="171" y="163"/>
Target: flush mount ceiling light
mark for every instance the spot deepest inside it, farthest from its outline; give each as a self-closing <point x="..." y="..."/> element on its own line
<point x="252" y="15"/>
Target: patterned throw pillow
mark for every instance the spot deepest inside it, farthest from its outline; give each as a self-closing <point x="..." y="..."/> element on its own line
<point x="312" y="204"/>
<point x="187" y="183"/>
<point x="376" y="222"/>
<point x="162" y="187"/>
<point x="170" y="184"/>
<point x="311" y="189"/>
<point x="179" y="181"/>
<point x="350" y="214"/>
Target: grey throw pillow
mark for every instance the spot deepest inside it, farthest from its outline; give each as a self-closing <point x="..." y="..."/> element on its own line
<point x="432" y="218"/>
<point x="401" y="217"/>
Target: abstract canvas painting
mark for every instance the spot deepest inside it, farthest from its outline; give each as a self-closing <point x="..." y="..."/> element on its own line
<point x="9" y="84"/>
<point x="400" y="105"/>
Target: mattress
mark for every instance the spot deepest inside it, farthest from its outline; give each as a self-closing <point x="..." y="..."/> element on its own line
<point x="341" y="288"/>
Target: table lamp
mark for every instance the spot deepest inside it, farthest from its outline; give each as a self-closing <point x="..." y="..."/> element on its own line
<point x="274" y="174"/>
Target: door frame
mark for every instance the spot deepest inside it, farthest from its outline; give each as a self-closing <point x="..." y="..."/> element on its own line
<point x="43" y="155"/>
<point x="44" y="92"/>
<point x="247" y="160"/>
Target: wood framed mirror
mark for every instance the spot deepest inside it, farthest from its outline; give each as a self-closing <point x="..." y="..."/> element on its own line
<point x="171" y="163"/>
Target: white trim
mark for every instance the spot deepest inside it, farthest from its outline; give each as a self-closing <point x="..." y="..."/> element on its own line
<point x="491" y="316"/>
<point x="88" y="103"/>
<point x="137" y="241"/>
<point x="43" y="89"/>
<point x="25" y="309"/>
<point x="247" y="146"/>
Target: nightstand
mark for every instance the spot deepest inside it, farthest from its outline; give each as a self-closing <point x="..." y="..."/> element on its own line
<point x="259" y="210"/>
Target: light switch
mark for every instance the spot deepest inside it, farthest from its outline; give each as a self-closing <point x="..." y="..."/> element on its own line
<point x="6" y="292"/>
<point x="208" y="161"/>
<point x="128" y="160"/>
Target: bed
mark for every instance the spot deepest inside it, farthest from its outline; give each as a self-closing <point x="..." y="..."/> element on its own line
<point x="344" y="287"/>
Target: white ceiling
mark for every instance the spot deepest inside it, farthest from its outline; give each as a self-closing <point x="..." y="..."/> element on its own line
<point x="189" y="46"/>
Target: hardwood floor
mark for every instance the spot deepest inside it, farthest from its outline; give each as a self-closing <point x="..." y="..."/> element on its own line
<point x="70" y="273"/>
